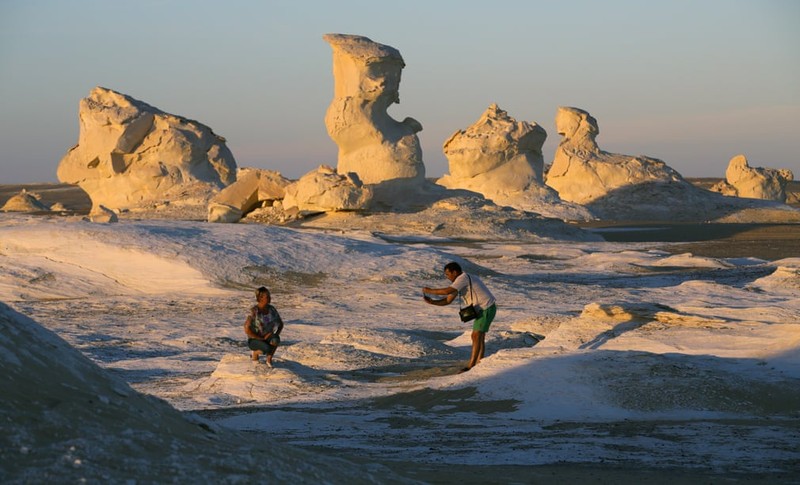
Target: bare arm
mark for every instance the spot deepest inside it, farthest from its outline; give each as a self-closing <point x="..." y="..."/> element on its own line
<point x="449" y="294"/>
<point x="439" y="291"/>
<point x="247" y="330"/>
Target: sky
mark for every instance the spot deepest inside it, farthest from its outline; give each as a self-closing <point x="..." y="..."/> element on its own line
<point x="691" y="83"/>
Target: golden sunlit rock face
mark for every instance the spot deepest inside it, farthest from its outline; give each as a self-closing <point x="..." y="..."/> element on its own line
<point x="582" y="172"/>
<point x="129" y="152"/>
<point x="742" y="180"/>
<point x="501" y="159"/>
<point x="325" y="190"/>
<point x="498" y="143"/>
<point x="252" y="188"/>
<point x="24" y="202"/>
<point x="366" y="83"/>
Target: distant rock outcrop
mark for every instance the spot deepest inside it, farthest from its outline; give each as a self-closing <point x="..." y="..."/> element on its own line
<point x="626" y="188"/>
<point x="742" y="180"/>
<point x="130" y="153"/>
<point x="24" y="202"/>
<point x="583" y="173"/>
<point x="371" y="143"/>
<point x="252" y="188"/>
<point x="501" y="159"/>
<point x="325" y="190"/>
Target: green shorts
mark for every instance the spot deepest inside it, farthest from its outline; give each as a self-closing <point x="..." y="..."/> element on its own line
<point x="485" y="318"/>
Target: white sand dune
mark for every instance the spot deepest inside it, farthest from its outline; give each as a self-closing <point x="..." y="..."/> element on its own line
<point x="602" y="353"/>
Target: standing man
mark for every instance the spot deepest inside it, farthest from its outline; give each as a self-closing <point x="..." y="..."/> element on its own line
<point x="474" y="292"/>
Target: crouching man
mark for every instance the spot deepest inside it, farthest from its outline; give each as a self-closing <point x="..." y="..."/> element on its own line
<point x="263" y="327"/>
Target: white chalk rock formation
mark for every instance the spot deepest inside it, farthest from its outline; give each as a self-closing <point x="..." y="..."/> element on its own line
<point x="583" y="173"/>
<point x="495" y="150"/>
<point x="501" y="159"/>
<point x="456" y="216"/>
<point x="742" y="180"/>
<point x="24" y="202"/>
<point x="103" y="215"/>
<point x="130" y="153"/>
<point x="252" y="188"/>
<point x="371" y="143"/>
<point x="625" y="188"/>
<point x="325" y="190"/>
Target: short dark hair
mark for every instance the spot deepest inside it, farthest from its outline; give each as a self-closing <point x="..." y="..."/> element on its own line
<point x="453" y="266"/>
<point x="263" y="291"/>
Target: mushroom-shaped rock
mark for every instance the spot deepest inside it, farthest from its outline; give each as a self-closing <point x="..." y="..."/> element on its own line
<point x="371" y="143"/>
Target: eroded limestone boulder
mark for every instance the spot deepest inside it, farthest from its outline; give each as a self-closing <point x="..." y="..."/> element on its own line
<point x="252" y="188"/>
<point x="501" y="158"/>
<point x="625" y="188"/>
<point x="24" y="202"/>
<point x="103" y="215"/>
<point x="325" y="190"/>
<point x="366" y="83"/>
<point x="583" y="173"/>
<point x="130" y="153"/>
<point x="496" y="148"/>
<point x="742" y="180"/>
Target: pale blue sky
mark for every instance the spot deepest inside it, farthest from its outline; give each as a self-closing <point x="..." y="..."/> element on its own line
<point x="688" y="81"/>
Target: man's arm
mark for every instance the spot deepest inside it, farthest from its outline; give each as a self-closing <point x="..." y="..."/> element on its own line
<point x="449" y="294"/>
<point x="439" y="291"/>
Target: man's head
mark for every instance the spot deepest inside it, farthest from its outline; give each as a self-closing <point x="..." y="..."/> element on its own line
<point x="263" y="294"/>
<point x="452" y="270"/>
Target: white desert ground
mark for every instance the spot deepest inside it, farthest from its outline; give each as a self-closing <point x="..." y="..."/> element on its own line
<point x="123" y="357"/>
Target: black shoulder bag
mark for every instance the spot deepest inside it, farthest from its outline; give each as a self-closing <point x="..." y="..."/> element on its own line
<point x="468" y="312"/>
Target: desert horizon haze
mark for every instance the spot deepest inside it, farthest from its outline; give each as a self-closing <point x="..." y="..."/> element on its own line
<point x="691" y="84"/>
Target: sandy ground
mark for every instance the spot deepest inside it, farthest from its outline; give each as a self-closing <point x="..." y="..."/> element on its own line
<point x="765" y="241"/>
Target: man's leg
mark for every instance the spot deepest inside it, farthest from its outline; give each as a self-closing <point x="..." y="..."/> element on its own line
<point x="478" y="339"/>
<point x="479" y="329"/>
<point x="481" y="326"/>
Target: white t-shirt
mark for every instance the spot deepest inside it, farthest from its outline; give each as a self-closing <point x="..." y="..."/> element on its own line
<point x="480" y="296"/>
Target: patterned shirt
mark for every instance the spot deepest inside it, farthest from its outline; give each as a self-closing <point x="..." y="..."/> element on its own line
<point x="263" y="322"/>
